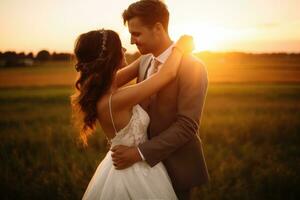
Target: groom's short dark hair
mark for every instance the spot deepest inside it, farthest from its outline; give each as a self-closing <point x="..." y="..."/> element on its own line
<point x="149" y="11"/>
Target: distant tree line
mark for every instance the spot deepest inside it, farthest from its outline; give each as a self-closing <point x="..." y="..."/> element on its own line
<point x="240" y="57"/>
<point x="12" y="58"/>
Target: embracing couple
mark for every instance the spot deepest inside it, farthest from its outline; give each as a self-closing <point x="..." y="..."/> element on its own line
<point x="152" y="126"/>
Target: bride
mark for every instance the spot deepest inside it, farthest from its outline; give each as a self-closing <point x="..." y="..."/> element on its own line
<point x="100" y="97"/>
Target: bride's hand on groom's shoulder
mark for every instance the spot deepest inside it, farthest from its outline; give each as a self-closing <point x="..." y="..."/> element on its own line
<point x="185" y="44"/>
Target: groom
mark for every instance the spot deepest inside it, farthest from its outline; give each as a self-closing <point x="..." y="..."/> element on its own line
<point x="175" y="111"/>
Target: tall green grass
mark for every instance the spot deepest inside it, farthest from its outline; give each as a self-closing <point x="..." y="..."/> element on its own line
<point x="251" y="142"/>
<point x="39" y="155"/>
<point x="250" y="135"/>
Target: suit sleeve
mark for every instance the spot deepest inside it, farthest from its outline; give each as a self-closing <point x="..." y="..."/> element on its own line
<point x="192" y="87"/>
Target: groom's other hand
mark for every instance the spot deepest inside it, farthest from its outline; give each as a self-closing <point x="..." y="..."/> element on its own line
<point x="124" y="156"/>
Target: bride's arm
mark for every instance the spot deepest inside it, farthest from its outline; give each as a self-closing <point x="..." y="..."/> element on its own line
<point x="128" y="73"/>
<point x="134" y="94"/>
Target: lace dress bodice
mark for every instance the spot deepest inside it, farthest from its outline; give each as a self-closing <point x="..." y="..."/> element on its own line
<point x="135" y="132"/>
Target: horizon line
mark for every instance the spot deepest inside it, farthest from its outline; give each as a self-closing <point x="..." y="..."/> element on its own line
<point x="195" y="52"/>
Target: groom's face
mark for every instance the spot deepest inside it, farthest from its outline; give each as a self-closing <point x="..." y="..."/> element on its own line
<point x="145" y="38"/>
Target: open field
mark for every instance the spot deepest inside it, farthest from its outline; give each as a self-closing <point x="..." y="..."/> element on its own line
<point x="250" y="134"/>
<point x="41" y="74"/>
<point x="221" y="68"/>
<point x="250" y="131"/>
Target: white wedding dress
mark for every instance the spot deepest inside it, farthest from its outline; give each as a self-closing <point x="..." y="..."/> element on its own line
<point x="139" y="181"/>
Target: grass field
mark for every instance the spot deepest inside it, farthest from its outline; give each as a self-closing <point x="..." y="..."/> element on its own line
<point x="62" y="73"/>
<point x="250" y="131"/>
<point x="250" y="134"/>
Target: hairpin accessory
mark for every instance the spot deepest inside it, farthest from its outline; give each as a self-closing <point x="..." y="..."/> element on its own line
<point x="84" y="66"/>
<point x="104" y="39"/>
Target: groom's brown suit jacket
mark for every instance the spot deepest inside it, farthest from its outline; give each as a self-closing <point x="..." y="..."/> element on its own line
<point x="175" y="114"/>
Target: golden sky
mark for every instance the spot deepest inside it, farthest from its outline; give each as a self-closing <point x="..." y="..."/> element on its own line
<point x="217" y="25"/>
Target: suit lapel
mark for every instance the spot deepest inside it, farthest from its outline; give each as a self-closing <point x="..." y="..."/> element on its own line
<point x="146" y="71"/>
<point x="144" y="67"/>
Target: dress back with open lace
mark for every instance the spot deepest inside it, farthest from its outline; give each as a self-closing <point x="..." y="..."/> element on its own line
<point x="134" y="132"/>
<point x="140" y="181"/>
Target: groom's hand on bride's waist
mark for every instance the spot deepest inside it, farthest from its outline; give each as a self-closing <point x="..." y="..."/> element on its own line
<point x="123" y="156"/>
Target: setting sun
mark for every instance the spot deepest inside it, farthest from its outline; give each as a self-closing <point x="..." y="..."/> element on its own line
<point x="248" y="26"/>
<point x="206" y="37"/>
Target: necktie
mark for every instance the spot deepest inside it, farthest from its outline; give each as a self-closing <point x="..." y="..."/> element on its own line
<point x="154" y="67"/>
<point x="152" y="70"/>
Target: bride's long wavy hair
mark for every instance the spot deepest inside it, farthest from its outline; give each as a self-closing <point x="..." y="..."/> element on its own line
<point x="98" y="55"/>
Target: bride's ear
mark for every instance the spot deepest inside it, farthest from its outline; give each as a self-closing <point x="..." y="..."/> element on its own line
<point x="123" y="63"/>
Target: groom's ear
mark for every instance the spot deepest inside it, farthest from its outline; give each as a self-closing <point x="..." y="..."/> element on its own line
<point x="158" y="27"/>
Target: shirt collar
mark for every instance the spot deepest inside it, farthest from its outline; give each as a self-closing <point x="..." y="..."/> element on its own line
<point x="164" y="55"/>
